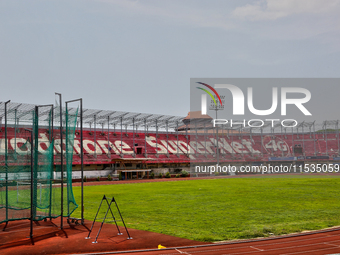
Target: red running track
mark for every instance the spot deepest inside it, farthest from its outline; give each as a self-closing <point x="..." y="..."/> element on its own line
<point x="49" y="239"/>
<point x="327" y="242"/>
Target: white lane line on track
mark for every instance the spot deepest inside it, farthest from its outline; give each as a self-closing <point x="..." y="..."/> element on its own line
<point x="183" y="252"/>
<point x="274" y="249"/>
<point x="313" y="251"/>
<point x="271" y="244"/>
<point x="294" y="241"/>
<point x="256" y="248"/>
<point x="332" y="244"/>
<point x="289" y="247"/>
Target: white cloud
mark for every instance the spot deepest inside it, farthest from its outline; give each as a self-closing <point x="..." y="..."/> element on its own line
<point x="311" y="21"/>
<point x="178" y="12"/>
<point x="276" y="9"/>
<point x="314" y="20"/>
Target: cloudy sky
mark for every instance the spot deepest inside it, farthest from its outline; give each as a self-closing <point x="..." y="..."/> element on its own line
<point x="139" y="56"/>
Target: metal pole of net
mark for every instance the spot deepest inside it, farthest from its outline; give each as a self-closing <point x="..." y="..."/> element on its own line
<point x="45" y="182"/>
<point x="72" y="119"/>
<point x="43" y="151"/>
<point x="31" y="193"/>
<point x="61" y="162"/>
<point x="68" y="203"/>
<point x="6" y="162"/>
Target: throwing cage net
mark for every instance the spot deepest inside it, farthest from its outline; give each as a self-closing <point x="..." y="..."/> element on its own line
<point x="30" y="162"/>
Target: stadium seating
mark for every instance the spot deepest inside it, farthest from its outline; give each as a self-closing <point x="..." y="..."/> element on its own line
<point x="163" y="148"/>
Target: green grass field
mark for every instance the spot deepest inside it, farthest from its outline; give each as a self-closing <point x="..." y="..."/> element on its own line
<point x="224" y="209"/>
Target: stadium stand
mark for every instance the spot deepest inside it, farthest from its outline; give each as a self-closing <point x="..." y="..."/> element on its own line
<point x="137" y="142"/>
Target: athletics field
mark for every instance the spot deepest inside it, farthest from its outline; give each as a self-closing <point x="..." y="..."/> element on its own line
<point x="223" y="209"/>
